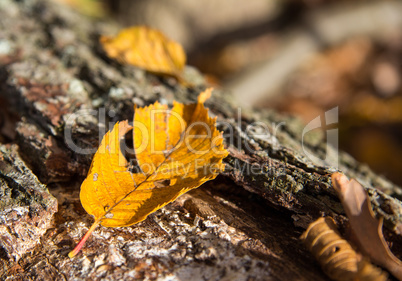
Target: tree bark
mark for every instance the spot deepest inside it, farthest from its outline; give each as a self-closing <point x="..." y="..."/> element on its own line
<point x="59" y="92"/>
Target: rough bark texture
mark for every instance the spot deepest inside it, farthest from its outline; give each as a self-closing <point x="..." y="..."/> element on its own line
<point x="245" y="225"/>
<point x="26" y="207"/>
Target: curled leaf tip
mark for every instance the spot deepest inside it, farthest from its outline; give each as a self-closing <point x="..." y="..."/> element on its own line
<point x="205" y="95"/>
<point x="339" y="181"/>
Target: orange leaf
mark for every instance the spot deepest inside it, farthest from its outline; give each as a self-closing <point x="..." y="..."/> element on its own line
<point x="366" y="227"/>
<point x="176" y="150"/>
<point x="146" y="48"/>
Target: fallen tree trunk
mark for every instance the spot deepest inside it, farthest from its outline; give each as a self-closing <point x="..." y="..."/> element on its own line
<point x="59" y="92"/>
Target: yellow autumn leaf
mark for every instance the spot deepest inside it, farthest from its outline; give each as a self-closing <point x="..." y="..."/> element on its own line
<point x="176" y="150"/>
<point x="146" y="48"/>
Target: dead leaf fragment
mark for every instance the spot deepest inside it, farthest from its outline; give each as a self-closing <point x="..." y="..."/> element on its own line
<point x="336" y="256"/>
<point x="147" y="48"/>
<point x="367" y="229"/>
<point x="176" y="150"/>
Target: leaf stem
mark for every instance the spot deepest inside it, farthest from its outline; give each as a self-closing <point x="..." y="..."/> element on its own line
<point x="84" y="239"/>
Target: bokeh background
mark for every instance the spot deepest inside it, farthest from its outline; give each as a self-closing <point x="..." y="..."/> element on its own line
<point x="299" y="57"/>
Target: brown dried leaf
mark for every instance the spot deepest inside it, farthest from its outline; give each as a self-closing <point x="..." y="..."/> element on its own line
<point x="366" y="227"/>
<point x="336" y="256"/>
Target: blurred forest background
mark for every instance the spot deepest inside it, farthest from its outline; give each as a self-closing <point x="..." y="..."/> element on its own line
<point x="301" y="57"/>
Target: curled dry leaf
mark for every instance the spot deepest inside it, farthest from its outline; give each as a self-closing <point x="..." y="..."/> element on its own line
<point x="146" y="48"/>
<point x="336" y="256"/>
<point x="367" y="229"/>
<point x="176" y="150"/>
